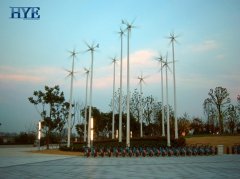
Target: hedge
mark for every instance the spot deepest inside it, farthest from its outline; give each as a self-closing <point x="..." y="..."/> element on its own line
<point x="136" y="142"/>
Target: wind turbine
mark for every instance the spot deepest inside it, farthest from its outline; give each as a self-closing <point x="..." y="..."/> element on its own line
<point x="121" y="32"/>
<point x="73" y="55"/>
<point x="168" y="124"/>
<point x="114" y="60"/>
<point x="172" y="38"/>
<point x="129" y="27"/>
<point x="160" y="60"/>
<point x="91" y="48"/>
<point x="86" y="103"/>
<point x="141" y="80"/>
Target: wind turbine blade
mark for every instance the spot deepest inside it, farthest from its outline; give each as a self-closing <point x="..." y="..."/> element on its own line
<point x="169" y="69"/>
<point x="124" y="21"/>
<point x="121" y="32"/>
<point x="147" y="76"/>
<point x="144" y="82"/>
<point x="87" y="45"/>
<point x="133" y="20"/>
<point x="67" y="76"/>
<point x="173" y="38"/>
<point x="86" y="70"/>
<point x="113" y="60"/>
<point x="67" y="70"/>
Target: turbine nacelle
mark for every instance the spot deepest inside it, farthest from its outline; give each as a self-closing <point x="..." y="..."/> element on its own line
<point x="92" y="47"/>
<point x="129" y="25"/>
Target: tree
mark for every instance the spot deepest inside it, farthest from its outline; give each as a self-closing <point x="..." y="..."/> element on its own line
<point x="197" y="125"/>
<point x="102" y="123"/>
<point x="238" y="105"/>
<point x="231" y="118"/>
<point x="52" y="107"/>
<point x="25" y="138"/>
<point x="184" y="124"/>
<point x="238" y="112"/>
<point x="217" y="100"/>
<point x="148" y="109"/>
<point x="135" y="104"/>
<point x="117" y="99"/>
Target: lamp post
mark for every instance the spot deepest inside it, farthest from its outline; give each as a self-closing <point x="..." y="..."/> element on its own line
<point x="91" y="131"/>
<point x="39" y="133"/>
<point x="116" y="134"/>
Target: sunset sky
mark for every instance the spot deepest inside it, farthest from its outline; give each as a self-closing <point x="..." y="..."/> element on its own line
<point x="34" y="53"/>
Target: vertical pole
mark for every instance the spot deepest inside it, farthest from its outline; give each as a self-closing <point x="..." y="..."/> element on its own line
<point x="163" y="115"/>
<point x="92" y="132"/>
<point x="113" y="99"/>
<point x="128" y="96"/>
<point x="86" y="101"/>
<point x="39" y="134"/>
<point x="141" y="110"/>
<point x="90" y="102"/>
<point x="168" y="125"/>
<point x="70" y="106"/>
<point x="175" y="101"/>
<point x="120" y="99"/>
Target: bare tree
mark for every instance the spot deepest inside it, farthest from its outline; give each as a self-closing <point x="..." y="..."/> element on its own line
<point x="231" y="118"/>
<point x="134" y="104"/>
<point x="184" y="124"/>
<point x="148" y="106"/>
<point x="218" y="99"/>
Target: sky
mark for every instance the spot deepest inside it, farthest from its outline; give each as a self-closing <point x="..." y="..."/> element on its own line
<point x="35" y="53"/>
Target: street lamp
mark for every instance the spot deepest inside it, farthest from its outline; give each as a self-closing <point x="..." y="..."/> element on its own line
<point x="116" y="134"/>
<point x="39" y="133"/>
<point x="91" y="130"/>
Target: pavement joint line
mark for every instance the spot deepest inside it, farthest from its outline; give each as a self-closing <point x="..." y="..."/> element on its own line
<point x="32" y="163"/>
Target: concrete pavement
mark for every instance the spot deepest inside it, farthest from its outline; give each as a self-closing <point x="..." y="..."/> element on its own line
<point x="29" y="165"/>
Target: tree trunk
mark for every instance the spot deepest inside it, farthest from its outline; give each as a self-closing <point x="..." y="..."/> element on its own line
<point x="47" y="139"/>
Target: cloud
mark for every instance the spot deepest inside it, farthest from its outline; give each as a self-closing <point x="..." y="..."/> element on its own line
<point x="143" y="58"/>
<point x="20" y="78"/>
<point x="29" y="75"/>
<point x="141" y="61"/>
<point x="205" y="46"/>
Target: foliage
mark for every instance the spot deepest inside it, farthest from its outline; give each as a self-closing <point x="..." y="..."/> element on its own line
<point x="231" y="118"/>
<point x="152" y="116"/>
<point x="148" y="112"/>
<point x="135" y="104"/>
<point x="215" y="104"/>
<point x="184" y="124"/>
<point x="198" y="126"/>
<point x="135" y="142"/>
<point x="53" y="109"/>
<point x="25" y="138"/>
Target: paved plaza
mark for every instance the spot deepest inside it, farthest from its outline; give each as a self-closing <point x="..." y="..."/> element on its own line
<point x="17" y="163"/>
